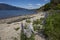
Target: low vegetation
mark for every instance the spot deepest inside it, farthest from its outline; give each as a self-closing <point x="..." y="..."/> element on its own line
<point x="52" y="26"/>
<point x="23" y="37"/>
<point x="17" y="28"/>
<point x="37" y="24"/>
<point x="28" y="21"/>
<point x="15" y="38"/>
<point x="36" y="27"/>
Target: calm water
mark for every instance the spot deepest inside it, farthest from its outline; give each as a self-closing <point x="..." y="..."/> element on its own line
<point x="11" y="13"/>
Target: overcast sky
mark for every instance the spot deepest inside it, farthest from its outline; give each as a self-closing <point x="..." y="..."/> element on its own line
<point x="28" y="4"/>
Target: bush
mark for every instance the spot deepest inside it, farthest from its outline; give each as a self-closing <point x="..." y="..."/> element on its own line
<point x="23" y="37"/>
<point x="37" y="21"/>
<point x="52" y="26"/>
<point x="37" y="24"/>
<point x="57" y="7"/>
<point x="28" y="21"/>
<point x="47" y="6"/>
<point x="17" y="28"/>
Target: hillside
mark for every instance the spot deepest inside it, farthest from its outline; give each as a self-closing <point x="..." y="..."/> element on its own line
<point x="4" y="6"/>
<point x="52" y="5"/>
<point x="52" y="21"/>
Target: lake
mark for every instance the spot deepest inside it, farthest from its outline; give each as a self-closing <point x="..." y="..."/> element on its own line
<point x="11" y="13"/>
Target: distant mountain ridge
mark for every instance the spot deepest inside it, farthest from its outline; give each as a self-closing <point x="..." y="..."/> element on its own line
<point x="4" y="6"/>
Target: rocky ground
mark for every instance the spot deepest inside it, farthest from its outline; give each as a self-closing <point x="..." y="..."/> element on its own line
<point x="12" y="31"/>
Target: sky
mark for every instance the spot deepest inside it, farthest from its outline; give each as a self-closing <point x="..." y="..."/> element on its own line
<point x="28" y="4"/>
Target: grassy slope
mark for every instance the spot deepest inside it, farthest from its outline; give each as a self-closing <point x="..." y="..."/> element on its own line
<point x="52" y="26"/>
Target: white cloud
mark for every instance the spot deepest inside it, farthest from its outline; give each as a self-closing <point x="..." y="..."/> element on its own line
<point x="32" y="6"/>
<point x="1" y="2"/>
<point x="38" y="4"/>
<point x="29" y="4"/>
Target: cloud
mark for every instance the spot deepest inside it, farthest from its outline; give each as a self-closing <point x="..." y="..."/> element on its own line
<point x="38" y="4"/>
<point x="30" y="4"/>
<point x="1" y="2"/>
<point x="34" y="5"/>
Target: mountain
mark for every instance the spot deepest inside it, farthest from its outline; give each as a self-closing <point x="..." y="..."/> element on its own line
<point x="4" y="6"/>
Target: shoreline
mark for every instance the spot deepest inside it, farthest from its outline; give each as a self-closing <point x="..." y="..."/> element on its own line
<point x="7" y="31"/>
<point x="16" y="18"/>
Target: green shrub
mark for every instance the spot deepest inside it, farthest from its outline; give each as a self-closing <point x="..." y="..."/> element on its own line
<point x="52" y="26"/>
<point x="17" y="28"/>
<point x="28" y="21"/>
<point x="37" y="21"/>
<point x="47" y="6"/>
<point x="31" y="38"/>
<point x="23" y="37"/>
<point x="36" y="27"/>
<point x="15" y="38"/>
<point x="57" y="7"/>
